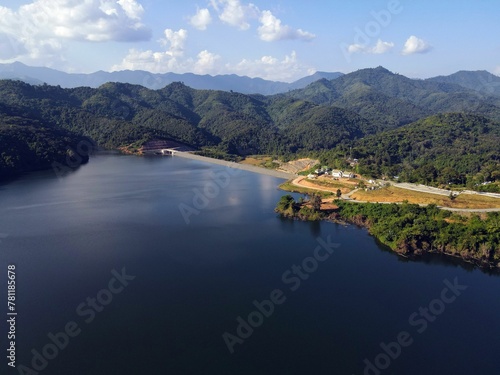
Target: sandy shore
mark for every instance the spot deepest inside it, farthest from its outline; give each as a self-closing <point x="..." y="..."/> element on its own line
<point x="245" y="167"/>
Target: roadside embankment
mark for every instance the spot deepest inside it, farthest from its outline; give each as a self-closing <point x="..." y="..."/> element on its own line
<point x="230" y="164"/>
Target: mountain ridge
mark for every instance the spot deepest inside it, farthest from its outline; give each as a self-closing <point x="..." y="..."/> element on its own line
<point x="225" y="82"/>
<point x="327" y="117"/>
<point x="479" y="80"/>
<point x="403" y="100"/>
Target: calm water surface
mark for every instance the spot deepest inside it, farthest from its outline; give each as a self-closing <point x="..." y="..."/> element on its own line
<point x="193" y="280"/>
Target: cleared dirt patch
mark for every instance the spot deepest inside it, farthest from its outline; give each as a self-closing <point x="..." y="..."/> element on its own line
<point x="328" y="184"/>
<point x="297" y="166"/>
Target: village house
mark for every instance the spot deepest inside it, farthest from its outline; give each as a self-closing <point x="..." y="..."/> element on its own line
<point x="342" y="174"/>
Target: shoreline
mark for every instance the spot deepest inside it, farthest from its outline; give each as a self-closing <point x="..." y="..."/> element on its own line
<point x="413" y="247"/>
<point x="231" y="164"/>
<point x="414" y="252"/>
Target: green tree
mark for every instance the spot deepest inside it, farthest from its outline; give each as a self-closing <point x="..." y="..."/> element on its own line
<point x="316" y="202"/>
<point x="286" y="202"/>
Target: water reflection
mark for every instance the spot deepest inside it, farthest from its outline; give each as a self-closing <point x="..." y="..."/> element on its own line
<point x="194" y="280"/>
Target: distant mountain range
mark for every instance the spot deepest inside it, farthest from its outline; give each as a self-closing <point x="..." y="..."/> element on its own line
<point x="230" y="82"/>
<point x="481" y="81"/>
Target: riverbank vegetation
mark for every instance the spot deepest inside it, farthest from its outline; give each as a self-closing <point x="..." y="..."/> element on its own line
<point x="305" y="209"/>
<point x="412" y="230"/>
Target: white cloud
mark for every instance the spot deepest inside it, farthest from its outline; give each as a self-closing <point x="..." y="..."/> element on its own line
<point x="497" y="70"/>
<point x="133" y="9"/>
<point x="90" y="20"/>
<point x="201" y="19"/>
<point x="170" y="60"/>
<point x="415" y="45"/>
<point x="155" y="62"/>
<point x="271" y="29"/>
<point x="356" y="48"/>
<point x="38" y="31"/>
<point x="379" y="48"/>
<point x="382" y="47"/>
<point x="176" y="41"/>
<point x="206" y="63"/>
<point x="173" y="60"/>
<point x="234" y="13"/>
<point x="271" y="68"/>
<point x="238" y="14"/>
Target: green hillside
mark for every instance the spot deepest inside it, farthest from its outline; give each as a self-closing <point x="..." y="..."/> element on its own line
<point x="374" y="115"/>
<point x="27" y="145"/>
<point x="449" y="148"/>
<point x="389" y="100"/>
<point x="480" y="80"/>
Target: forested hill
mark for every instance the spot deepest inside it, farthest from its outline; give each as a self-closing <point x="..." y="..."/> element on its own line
<point x="328" y="115"/>
<point x="442" y="149"/>
<point x="28" y="145"/>
<point x="117" y="114"/>
<point x="481" y="81"/>
<point x="390" y="100"/>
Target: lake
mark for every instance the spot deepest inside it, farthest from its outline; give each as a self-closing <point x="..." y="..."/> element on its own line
<point x="166" y="265"/>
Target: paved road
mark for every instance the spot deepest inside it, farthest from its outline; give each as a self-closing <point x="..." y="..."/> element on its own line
<point x="421" y="188"/>
<point x="476" y="210"/>
<point x="433" y="190"/>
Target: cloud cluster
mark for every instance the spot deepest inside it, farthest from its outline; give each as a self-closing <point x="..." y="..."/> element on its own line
<point x="40" y="29"/>
<point x="271" y="29"/>
<point x="171" y="59"/>
<point x="379" y="48"/>
<point x="206" y="62"/>
<point x="413" y="45"/>
<point x="40" y="32"/>
<point x="235" y="14"/>
<point x="271" y="68"/>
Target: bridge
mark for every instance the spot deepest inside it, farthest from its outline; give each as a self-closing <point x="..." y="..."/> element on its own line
<point x="163" y="151"/>
<point x="169" y="151"/>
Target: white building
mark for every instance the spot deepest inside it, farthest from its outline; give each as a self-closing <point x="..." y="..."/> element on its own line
<point x="342" y="174"/>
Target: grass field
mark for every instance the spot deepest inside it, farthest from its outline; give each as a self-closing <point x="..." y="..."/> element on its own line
<point x="288" y="186"/>
<point x="260" y="161"/>
<point x="394" y="194"/>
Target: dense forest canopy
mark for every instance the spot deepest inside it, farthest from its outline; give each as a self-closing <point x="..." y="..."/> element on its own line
<point x="423" y="131"/>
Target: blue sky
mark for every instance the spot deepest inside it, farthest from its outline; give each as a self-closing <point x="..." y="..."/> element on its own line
<point x="274" y="39"/>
